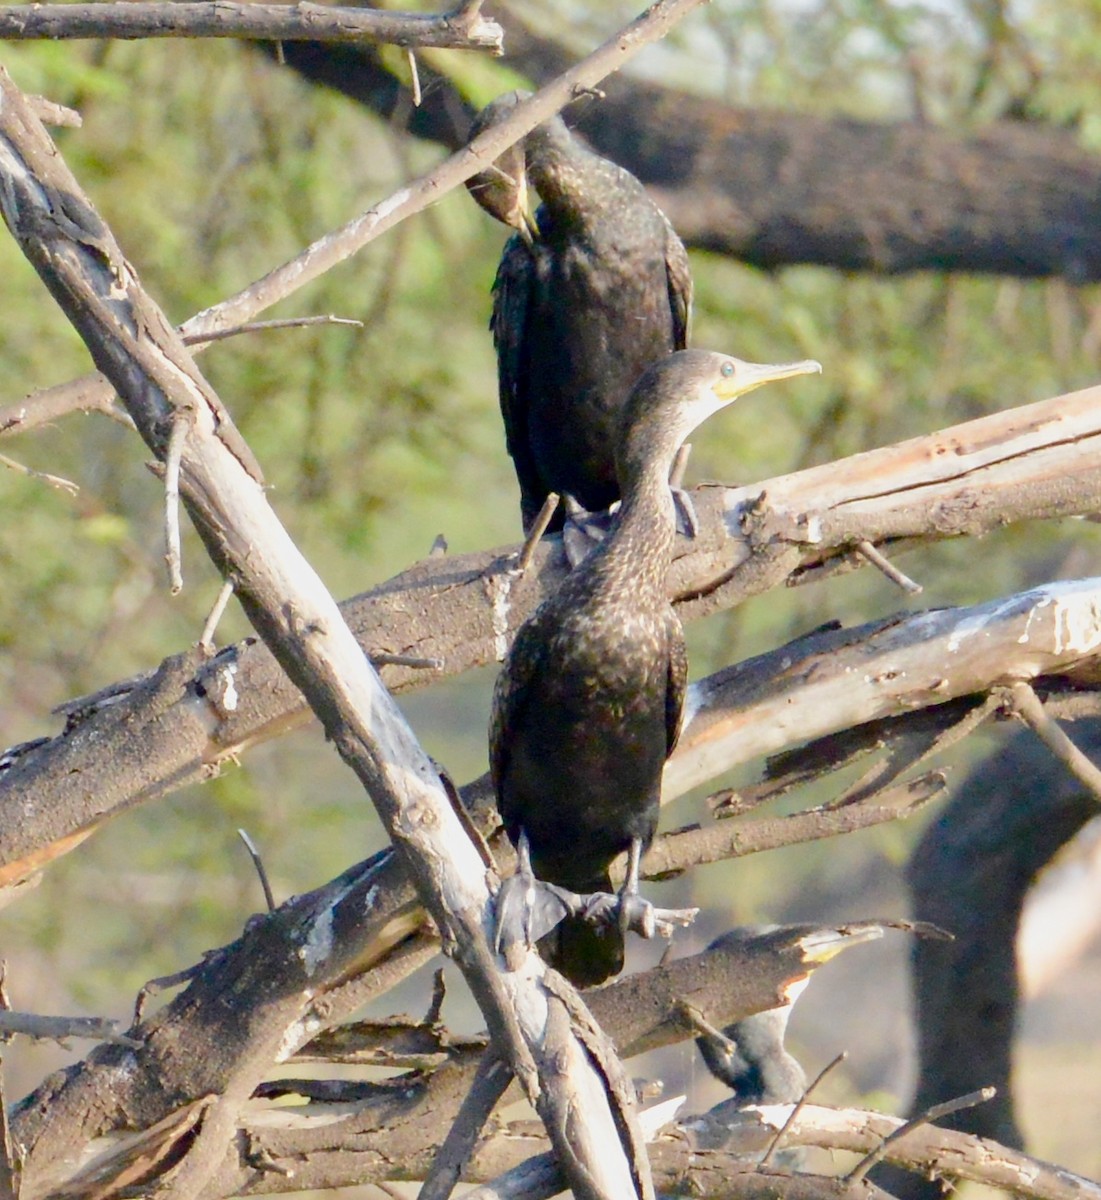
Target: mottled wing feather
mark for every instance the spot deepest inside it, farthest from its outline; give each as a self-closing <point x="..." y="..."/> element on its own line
<point x="677" y="682"/>
<point x="511" y="698"/>
<point x="679" y="276"/>
<point x="509" y="325"/>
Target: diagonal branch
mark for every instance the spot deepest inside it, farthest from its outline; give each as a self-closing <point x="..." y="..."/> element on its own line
<point x="133" y="344"/>
<point x="93" y="392"/>
<point x="1041" y="460"/>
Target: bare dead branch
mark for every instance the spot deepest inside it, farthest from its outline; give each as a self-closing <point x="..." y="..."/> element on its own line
<point x="490" y="1083"/>
<point x="180" y="424"/>
<point x="50" y="404"/>
<point x="206" y="637"/>
<point x="264" y="22"/>
<point x="924" y="1118"/>
<point x="904" y="663"/>
<point x="261" y="870"/>
<point x="51" y="113"/>
<point x="680" y="850"/>
<point x="59" y="1029"/>
<point x="264" y="326"/>
<point x="414" y="76"/>
<point x="800" y="1104"/>
<point x="535" y="533"/>
<point x="1026" y="704"/>
<point x="414" y="661"/>
<point x="925" y="1149"/>
<point x="884" y="564"/>
<point x="93" y="392"/>
<point x="55" y="481"/>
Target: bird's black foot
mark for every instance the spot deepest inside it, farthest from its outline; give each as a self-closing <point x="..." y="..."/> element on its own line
<point x="527" y="909"/>
<point x="583" y="531"/>
<point x="632" y="912"/>
<point x="687" y="521"/>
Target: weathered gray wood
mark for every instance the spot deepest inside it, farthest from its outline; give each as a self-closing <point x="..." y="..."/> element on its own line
<point x="269" y="22"/>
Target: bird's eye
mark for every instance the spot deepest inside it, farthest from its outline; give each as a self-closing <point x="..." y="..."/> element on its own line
<point x="727" y="369"/>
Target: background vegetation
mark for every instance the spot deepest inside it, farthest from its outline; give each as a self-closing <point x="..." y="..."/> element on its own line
<point x="212" y="163"/>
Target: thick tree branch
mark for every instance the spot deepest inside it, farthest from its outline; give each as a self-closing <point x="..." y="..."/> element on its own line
<point x="777" y="188"/>
<point x="269" y="988"/>
<point x="1043" y="460"/>
<point x="302" y="21"/>
<point x="926" y="1149"/>
<point x="135" y="347"/>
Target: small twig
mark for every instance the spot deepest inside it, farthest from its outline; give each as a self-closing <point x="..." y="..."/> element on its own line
<point x="439" y="992"/>
<point x="866" y="550"/>
<point x="206" y="638"/>
<point x="1026" y="704"/>
<point x="680" y="465"/>
<point x="9" y="1163"/>
<point x="489" y="1085"/>
<point x="58" y="1029"/>
<point x="438" y="547"/>
<point x="159" y="984"/>
<point x="774" y="1145"/>
<point x="55" y="481"/>
<point x="181" y="423"/>
<point x="407" y="660"/>
<point x="923" y="1118"/>
<point x="415" y="78"/>
<point x="218" y="335"/>
<point x="258" y="863"/>
<point x="49" y="112"/>
<point x="260" y="1157"/>
<point x="387" y="1190"/>
<point x="702" y="1025"/>
<point x="527" y="551"/>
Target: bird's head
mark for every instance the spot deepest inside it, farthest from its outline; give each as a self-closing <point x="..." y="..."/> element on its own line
<point x="680" y="391"/>
<point x="501" y="189"/>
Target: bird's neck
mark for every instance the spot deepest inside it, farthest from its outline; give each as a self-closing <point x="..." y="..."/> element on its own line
<point x="567" y="175"/>
<point x="645" y="530"/>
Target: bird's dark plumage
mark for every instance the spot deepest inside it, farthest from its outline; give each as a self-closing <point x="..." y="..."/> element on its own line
<point x="753" y="1062"/>
<point x="588" y="703"/>
<point x="750" y="1056"/>
<point x="602" y="290"/>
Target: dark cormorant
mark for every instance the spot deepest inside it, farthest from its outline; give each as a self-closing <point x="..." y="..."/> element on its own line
<point x="749" y="1055"/>
<point x="588" y="703"/>
<point x="753" y="1062"/>
<point x="580" y="309"/>
<point x="501" y="189"/>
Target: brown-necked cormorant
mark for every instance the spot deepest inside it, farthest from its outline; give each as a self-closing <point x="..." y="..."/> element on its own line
<point x="588" y="703"/>
<point x="582" y="305"/>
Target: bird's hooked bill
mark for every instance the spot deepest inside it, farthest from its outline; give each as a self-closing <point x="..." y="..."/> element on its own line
<point x="747" y="376"/>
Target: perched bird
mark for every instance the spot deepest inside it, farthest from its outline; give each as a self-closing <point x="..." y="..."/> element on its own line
<point x="749" y="1055"/>
<point x="753" y="1062"/>
<point x="501" y="189"/>
<point x="588" y="704"/>
<point x="583" y="303"/>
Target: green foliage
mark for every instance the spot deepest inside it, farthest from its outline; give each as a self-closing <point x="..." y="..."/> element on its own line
<point x="214" y="165"/>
